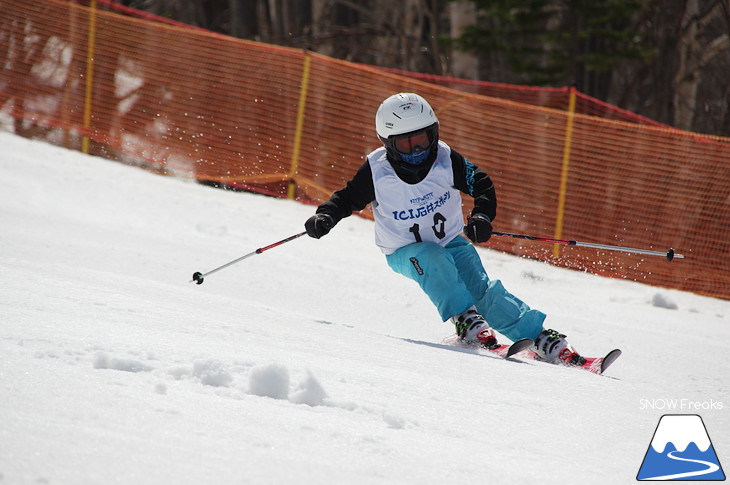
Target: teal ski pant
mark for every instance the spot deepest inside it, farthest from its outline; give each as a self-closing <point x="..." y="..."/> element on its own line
<point x="454" y="278"/>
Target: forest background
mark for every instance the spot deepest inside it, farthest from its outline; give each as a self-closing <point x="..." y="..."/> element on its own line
<point x="667" y="60"/>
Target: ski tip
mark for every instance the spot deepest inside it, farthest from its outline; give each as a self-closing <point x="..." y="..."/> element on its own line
<point x="519" y="346"/>
<point x="609" y="359"/>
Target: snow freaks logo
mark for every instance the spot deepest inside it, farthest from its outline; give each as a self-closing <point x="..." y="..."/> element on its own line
<point x="681" y="450"/>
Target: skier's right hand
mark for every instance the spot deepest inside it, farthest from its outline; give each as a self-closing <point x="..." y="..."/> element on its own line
<point x="319" y="225"/>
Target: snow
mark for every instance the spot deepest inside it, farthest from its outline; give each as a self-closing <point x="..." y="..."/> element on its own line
<point x="310" y="363"/>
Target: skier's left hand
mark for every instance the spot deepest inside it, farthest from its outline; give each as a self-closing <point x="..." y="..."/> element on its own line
<point x="478" y="228"/>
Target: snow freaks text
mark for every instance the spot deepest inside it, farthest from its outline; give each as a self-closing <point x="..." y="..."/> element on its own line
<point x="680" y="405"/>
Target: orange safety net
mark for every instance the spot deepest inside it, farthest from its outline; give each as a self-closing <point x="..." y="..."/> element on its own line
<point x="547" y="97"/>
<point x="223" y="110"/>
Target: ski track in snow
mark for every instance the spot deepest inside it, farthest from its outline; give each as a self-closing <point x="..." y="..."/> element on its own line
<point x="310" y="363"/>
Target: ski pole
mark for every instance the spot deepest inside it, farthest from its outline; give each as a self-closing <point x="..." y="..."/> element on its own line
<point x="670" y="254"/>
<point x="198" y="276"/>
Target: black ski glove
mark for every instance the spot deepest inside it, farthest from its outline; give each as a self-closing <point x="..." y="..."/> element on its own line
<point x="478" y="228"/>
<point x="319" y="225"/>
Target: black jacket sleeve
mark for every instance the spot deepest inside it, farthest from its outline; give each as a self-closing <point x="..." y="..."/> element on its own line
<point x="356" y="194"/>
<point x="472" y="180"/>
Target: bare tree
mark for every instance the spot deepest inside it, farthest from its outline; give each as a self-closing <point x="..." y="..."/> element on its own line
<point x="696" y="50"/>
<point x="462" y="14"/>
<point x="402" y="34"/>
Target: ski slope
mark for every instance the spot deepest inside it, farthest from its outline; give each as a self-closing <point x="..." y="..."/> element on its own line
<point x="311" y="363"/>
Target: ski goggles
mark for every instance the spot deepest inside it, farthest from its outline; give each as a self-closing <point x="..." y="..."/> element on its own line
<point x="414" y="141"/>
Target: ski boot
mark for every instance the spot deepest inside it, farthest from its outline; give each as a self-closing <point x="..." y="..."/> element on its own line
<point x="551" y="346"/>
<point x="472" y="328"/>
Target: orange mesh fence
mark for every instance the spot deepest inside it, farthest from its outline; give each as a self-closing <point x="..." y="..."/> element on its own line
<point x="224" y="110"/>
<point x="547" y="97"/>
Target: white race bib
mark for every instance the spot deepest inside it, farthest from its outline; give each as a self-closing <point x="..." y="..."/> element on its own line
<point x="406" y="213"/>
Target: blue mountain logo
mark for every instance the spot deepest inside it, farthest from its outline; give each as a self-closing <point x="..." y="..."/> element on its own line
<point x="681" y="450"/>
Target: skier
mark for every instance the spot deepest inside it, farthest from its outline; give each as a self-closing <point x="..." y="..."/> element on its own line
<point x="413" y="183"/>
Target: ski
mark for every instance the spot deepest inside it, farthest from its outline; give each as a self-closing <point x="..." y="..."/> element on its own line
<point x="505" y="351"/>
<point x="521" y="349"/>
<point x="508" y="351"/>
<point x="594" y="365"/>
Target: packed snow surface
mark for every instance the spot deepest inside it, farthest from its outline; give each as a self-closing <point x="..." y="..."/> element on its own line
<point x="310" y="363"/>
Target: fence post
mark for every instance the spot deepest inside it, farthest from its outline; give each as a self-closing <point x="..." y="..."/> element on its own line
<point x="88" y="96"/>
<point x="564" y="172"/>
<point x="292" y="188"/>
<point x="66" y="122"/>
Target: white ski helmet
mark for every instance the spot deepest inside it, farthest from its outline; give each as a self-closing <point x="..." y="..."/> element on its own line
<point x="401" y="120"/>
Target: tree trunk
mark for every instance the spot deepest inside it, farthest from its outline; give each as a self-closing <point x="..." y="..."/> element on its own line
<point x="686" y="79"/>
<point x="463" y="13"/>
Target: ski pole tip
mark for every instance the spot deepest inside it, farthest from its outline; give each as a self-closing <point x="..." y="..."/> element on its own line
<point x="671" y="255"/>
<point x="197" y="277"/>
